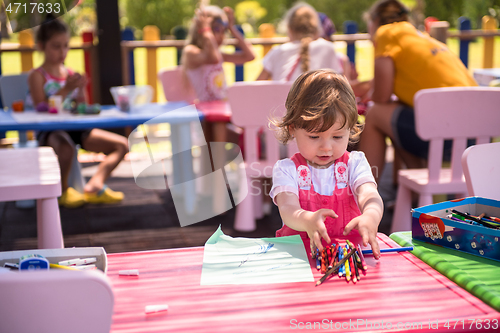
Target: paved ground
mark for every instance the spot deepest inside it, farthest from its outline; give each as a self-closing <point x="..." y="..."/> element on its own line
<point x="145" y="220"/>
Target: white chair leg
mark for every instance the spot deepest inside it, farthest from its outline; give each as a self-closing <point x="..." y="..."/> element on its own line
<point x="401" y="220"/>
<point x="245" y="215"/>
<point x="49" y="224"/>
<point x="425" y="200"/>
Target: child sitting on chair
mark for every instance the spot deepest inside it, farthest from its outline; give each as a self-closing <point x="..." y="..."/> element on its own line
<point x="324" y="191"/>
<point x="53" y="78"/>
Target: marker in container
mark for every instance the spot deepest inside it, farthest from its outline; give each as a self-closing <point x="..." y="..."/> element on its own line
<point x="63" y="267"/>
<point x="156" y="308"/>
<point x="84" y="267"/>
<point x="129" y="272"/>
<point x="11" y="265"/>
<point x="77" y="261"/>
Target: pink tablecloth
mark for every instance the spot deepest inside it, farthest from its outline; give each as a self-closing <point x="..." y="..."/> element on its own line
<point x="398" y="291"/>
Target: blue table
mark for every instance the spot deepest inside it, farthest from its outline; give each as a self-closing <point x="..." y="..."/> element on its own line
<point x="177" y="114"/>
<point x="122" y="119"/>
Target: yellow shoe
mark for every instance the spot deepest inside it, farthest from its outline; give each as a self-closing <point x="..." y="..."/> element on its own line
<point x="104" y="196"/>
<point x="71" y="198"/>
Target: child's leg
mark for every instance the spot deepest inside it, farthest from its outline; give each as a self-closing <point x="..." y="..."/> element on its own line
<point x="64" y="148"/>
<point x="114" y="146"/>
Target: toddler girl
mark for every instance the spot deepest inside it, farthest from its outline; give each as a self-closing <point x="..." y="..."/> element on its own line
<point x="324" y="191"/>
<point x="53" y="78"/>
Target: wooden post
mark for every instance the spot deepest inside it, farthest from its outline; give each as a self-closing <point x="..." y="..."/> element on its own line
<point x="266" y="30"/>
<point x="351" y="27"/>
<point x="239" y="74"/>
<point x="488" y="23"/>
<point x="464" y="25"/>
<point x="151" y="33"/>
<point x="88" y="37"/>
<point x="128" y="34"/>
<point x="439" y="30"/>
<point x="26" y="39"/>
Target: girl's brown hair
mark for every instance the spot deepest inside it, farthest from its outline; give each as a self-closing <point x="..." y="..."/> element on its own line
<point x="194" y="37"/>
<point x="316" y="101"/>
<point x="387" y="11"/>
<point x="303" y="21"/>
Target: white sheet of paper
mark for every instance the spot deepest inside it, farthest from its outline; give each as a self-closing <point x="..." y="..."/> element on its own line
<point x="228" y="260"/>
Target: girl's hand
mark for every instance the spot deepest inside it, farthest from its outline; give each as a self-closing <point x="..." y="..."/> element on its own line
<point x="315" y="227"/>
<point x="202" y="19"/>
<point x="230" y="16"/>
<point x="74" y="81"/>
<point x="367" y="227"/>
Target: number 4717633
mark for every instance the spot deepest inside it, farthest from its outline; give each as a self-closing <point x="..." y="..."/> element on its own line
<point x="41" y="8"/>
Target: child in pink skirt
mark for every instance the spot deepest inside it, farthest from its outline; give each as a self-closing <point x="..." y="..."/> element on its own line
<point x="324" y="191"/>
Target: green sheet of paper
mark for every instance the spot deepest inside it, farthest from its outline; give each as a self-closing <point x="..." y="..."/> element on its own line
<point x="228" y="260"/>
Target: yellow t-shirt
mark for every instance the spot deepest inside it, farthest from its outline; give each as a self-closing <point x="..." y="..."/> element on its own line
<point x="420" y="61"/>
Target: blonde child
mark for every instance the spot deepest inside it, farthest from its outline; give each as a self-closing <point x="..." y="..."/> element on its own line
<point x="202" y="59"/>
<point x="53" y="78"/>
<point x="305" y="50"/>
<point x="324" y="191"/>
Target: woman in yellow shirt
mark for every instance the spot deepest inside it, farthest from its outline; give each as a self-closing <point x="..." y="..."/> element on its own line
<point x="406" y="61"/>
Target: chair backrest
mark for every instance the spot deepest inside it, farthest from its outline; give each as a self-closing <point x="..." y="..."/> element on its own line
<point x="481" y="164"/>
<point x="13" y="88"/>
<point x="252" y="105"/>
<point x="456" y="113"/>
<point x="175" y="87"/>
<point x="55" y="301"/>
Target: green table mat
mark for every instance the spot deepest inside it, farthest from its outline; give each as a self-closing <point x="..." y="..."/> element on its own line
<point x="479" y="276"/>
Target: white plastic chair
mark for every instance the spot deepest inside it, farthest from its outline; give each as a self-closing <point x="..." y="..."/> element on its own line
<point x="13" y="88"/>
<point x="33" y="173"/>
<point x="455" y="113"/>
<point x="55" y="301"/>
<point x="252" y="103"/>
<point x="481" y="164"/>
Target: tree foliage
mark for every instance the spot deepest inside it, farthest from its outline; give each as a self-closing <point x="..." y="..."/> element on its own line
<point x="169" y="13"/>
<point x="165" y="14"/>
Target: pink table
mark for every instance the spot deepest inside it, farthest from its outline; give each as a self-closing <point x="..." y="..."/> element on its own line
<point x="399" y="290"/>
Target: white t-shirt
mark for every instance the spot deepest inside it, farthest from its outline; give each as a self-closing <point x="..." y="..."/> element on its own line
<point x="280" y="60"/>
<point x="285" y="177"/>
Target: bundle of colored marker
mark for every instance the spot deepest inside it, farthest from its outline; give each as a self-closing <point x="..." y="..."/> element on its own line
<point x="77" y="263"/>
<point x="346" y="260"/>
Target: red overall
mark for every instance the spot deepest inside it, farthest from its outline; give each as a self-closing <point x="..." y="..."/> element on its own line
<point x="341" y="201"/>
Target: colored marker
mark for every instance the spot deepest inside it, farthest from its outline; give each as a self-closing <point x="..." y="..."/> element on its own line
<point x="77" y="262"/>
<point x="351" y="269"/>
<point x="394" y="249"/>
<point x="323" y="262"/>
<point x="346" y="264"/>
<point x="63" y="267"/>
<point x="362" y="257"/>
<point x="341" y="256"/>
<point x="318" y="261"/>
